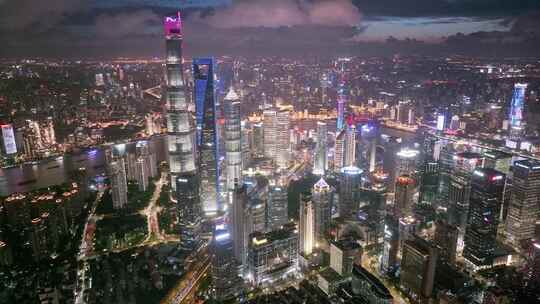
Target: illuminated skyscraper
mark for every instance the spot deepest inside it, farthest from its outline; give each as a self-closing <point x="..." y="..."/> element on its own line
<point x="516" y="113"/>
<point x="277" y="207"/>
<point x="322" y="196"/>
<point x="350" y="146"/>
<point x="407" y="162"/>
<point x="339" y="151"/>
<point x="523" y="208"/>
<point x="181" y="138"/>
<point x="418" y="268"/>
<point x="341" y="99"/>
<point x="233" y="153"/>
<point x="207" y="146"/>
<point x="306" y="224"/>
<point x="404" y="197"/>
<point x="320" y="159"/>
<point x="484" y="208"/>
<point x="270" y="133"/>
<point x="283" y="139"/>
<point x="180" y="125"/>
<point x="226" y="283"/>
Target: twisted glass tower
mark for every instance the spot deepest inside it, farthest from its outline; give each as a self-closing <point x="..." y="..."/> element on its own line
<point x="184" y="181"/>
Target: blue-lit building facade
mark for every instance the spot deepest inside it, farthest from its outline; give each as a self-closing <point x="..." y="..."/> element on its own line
<point x="516" y="115"/>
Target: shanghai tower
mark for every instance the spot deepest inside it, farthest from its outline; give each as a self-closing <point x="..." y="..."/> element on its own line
<point x="184" y="181"/>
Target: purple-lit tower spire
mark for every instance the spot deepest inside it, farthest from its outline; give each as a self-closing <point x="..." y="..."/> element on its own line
<point x="181" y="145"/>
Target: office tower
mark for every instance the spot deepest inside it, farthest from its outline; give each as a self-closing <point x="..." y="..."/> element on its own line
<point x="180" y="125"/>
<point x="283" y="139"/>
<point x="343" y="255"/>
<point x="238" y="224"/>
<point x="446" y="237"/>
<point x="320" y="155"/>
<point x="306" y="225"/>
<point x="277" y="207"/>
<point x="404" y="196"/>
<point x="258" y="139"/>
<point x="325" y="84"/>
<point x="517" y="125"/>
<point x="207" y="139"/>
<point x="339" y="151"/>
<point x="270" y="135"/>
<point x="429" y="183"/>
<point x="233" y="153"/>
<point x="225" y="280"/>
<point x="246" y="141"/>
<point x="256" y="217"/>
<point x="350" y="146"/>
<point x="263" y="248"/>
<point x="407" y="162"/>
<point x="322" y="196"/>
<point x="484" y="207"/>
<point x="406" y="230"/>
<point x="418" y="268"/>
<point x="523" y="207"/>
<point x="459" y="190"/>
<point x="117" y="176"/>
<point x="349" y="185"/>
<point x="189" y="211"/>
<point x="368" y="287"/>
<point x="369" y="135"/>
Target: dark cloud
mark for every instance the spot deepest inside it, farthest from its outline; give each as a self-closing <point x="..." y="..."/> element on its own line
<point x="38" y="16"/>
<point x="278" y="13"/>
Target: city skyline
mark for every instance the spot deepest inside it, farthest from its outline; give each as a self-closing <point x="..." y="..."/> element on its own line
<point x="332" y="177"/>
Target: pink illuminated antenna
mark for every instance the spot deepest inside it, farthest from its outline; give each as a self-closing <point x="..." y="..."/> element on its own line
<point x="173" y="25"/>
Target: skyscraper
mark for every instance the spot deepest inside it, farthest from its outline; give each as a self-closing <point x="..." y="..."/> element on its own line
<point x="339" y="151"/>
<point x="404" y="196"/>
<point x="283" y="139"/>
<point x="306" y="224"/>
<point x="207" y="145"/>
<point x="341" y="100"/>
<point x="226" y="283"/>
<point x="320" y="159"/>
<point x="322" y="196"/>
<point x="238" y="224"/>
<point x="517" y="105"/>
<point x="484" y="208"/>
<point x="117" y="175"/>
<point x="523" y="208"/>
<point x="180" y="125"/>
<point x="350" y="146"/>
<point x="418" y="268"/>
<point x="270" y="133"/>
<point x="277" y="207"/>
<point x="349" y="183"/>
<point x="233" y="153"/>
<point x="189" y="211"/>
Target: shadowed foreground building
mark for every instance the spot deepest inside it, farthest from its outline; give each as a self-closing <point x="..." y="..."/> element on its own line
<point x="367" y="286"/>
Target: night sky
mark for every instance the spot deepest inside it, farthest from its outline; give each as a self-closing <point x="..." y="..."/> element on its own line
<point x="107" y="28"/>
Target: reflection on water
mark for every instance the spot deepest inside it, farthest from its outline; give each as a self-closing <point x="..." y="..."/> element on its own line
<point x="48" y="173"/>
